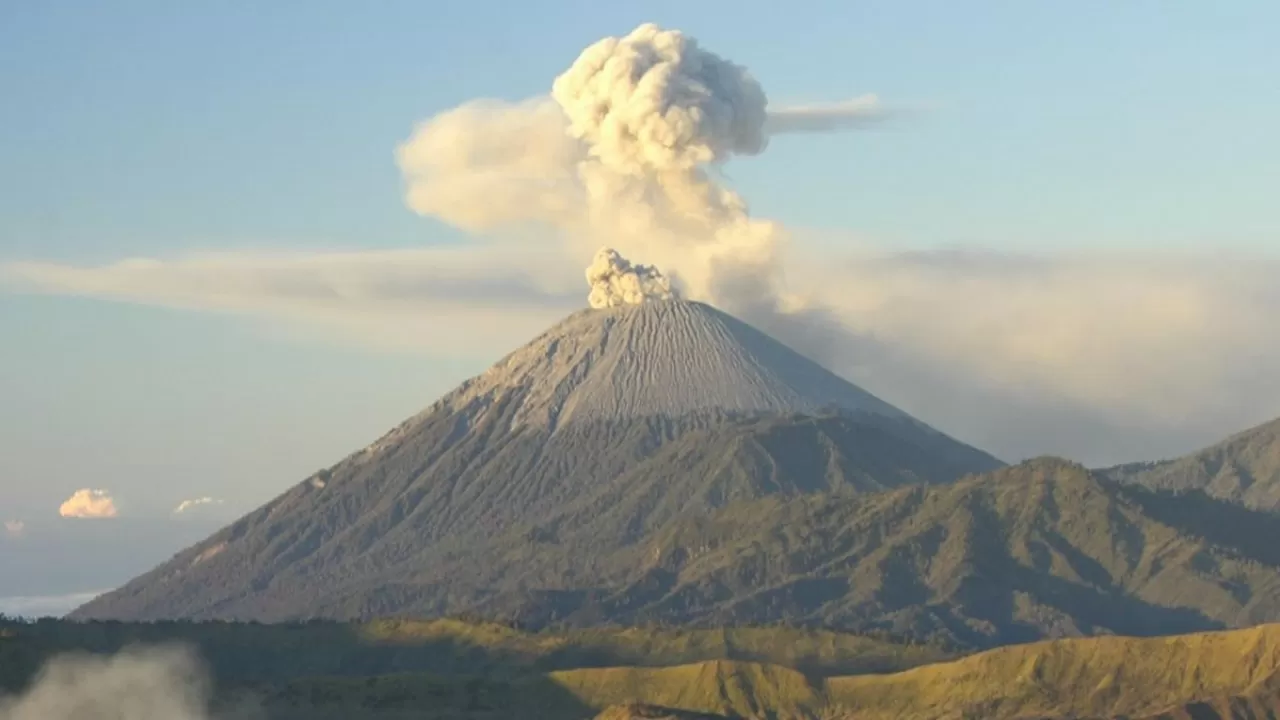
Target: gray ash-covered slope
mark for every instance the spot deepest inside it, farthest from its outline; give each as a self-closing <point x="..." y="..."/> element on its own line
<point x="603" y="430"/>
<point x="1244" y="468"/>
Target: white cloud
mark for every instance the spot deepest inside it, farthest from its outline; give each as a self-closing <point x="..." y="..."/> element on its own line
<point x="1102" y="356"/>
<point x="87" y="503"/>
<point x="186" y="505"/>
<point x="14" y="528"/>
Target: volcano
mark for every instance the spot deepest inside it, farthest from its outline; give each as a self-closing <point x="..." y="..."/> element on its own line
<point x="605" y="430"/>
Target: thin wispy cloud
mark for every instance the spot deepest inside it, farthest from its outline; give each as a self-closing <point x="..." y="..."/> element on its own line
<point x="854" y="114"/>
<point x="89" y="503"/>
<point x="188" y="505"/>
<point x="389" y="299"/>
<point x="1099" y="356"/>
<point x="15" y="528"/>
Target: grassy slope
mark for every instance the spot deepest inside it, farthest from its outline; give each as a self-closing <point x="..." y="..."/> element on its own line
<point x="1090" y="677"/>
<point x="238" y="653"/>
<point x="482" y="671"/>
<point x="1173" y="677"/>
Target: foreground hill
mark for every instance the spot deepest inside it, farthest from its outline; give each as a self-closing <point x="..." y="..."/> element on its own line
<point x="240" y="653"/>
<point x="1244" y="468"/>
<point x="1042" y="549"/>
<point x="467" y="671"/>
<point x="1111" y="677"/>
<point x="621" y="419"/>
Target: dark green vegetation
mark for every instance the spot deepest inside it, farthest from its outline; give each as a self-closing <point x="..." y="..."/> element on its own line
<point x="1244" y="468"/>
<point x="451" y="669"/>
<point x="239" y="653"/>
<point x="1041" y="549"/>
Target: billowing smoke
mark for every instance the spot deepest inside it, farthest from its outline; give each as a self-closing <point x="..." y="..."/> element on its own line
<point x="654" y="102"/>
<point x="89" y="503"/>
<point x="163" y="683"/>
<point x="625" y="150"/>
<point x="614" y="280"/>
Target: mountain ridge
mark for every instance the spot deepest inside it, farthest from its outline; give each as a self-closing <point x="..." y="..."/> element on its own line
<point x="1243" y="468"/>
<point x="627" y="416"/>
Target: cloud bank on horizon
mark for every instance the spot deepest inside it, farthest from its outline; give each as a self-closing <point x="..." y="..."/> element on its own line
<point x="1101" y="356"/>
<point x="88" y="503"/>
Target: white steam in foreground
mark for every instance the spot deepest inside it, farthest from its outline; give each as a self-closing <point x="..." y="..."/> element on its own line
<point x="622" y="151"/>
<point x="89" y="503"/>
<point x="614" y="280"/>
<point x="166" y="683"/>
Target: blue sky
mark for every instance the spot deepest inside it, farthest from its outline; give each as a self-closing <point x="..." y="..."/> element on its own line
<point x="154" y="129"/>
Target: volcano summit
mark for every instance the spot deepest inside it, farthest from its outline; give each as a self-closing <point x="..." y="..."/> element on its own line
<point x="596" y="434"/>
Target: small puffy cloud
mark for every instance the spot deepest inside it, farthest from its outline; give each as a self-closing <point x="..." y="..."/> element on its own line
<point x="188" y="505"/>
<point x="87" y="503"/>
<point x="14" y="528"/>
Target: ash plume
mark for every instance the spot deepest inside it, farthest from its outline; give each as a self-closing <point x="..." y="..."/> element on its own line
<point x="614" y="280"/>
<point x="625" y="147"/>
<point x="158" y="683"/>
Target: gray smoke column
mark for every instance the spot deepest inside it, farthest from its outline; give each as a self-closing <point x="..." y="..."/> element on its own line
<point x="653" y="110"/>
<point x="614" y="280"/>
<point x="166" y="683"/>
<point x="626" y="147"/>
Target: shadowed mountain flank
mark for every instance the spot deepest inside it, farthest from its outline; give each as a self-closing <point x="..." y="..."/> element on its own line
<point x="1244" y="468"/>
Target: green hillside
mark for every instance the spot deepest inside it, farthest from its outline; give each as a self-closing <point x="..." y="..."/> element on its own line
<point x="1040" y="550"/>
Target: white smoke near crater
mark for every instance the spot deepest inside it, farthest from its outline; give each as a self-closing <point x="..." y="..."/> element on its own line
<point x="158" y="683"/>
<point x="614" y="281"/>
<point x="625" y="148"/>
